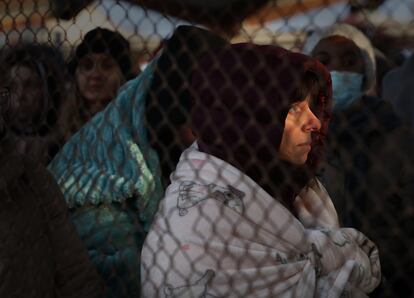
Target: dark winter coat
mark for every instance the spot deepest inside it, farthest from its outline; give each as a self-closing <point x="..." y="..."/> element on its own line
<point x="41" y="255"/>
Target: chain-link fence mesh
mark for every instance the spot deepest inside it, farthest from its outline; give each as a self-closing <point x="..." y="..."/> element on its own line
<point x="207" y="148"/>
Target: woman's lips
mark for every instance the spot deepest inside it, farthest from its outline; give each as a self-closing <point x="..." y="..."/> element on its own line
<point x="95" y="86"/>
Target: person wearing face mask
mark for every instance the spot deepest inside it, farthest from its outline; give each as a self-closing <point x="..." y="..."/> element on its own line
<point x="244" y="215"/>
<point x="350" y="58"/>
<point x="369" y="167"/>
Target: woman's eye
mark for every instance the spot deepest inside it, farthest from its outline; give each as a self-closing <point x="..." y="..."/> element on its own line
<point x="108" y="64"/>
<point x="349" y="62"/>
<point x="86" y="65"/>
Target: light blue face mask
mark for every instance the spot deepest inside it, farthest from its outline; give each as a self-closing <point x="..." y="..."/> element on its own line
<point x="346" y="87"/>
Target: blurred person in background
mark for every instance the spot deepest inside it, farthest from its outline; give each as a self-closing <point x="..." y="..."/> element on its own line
<point x="383" y="66"/>
<point x="100" y="66"/>
<point x="244" y="215"/>
<point x="110" y="172"/>
<point x="398" y="89"/>
<point x="40" y="99"/>
<point x="41" y="254"/>
<point x="369" y="167"/>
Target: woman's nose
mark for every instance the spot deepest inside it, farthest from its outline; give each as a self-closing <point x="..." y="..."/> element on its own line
<point x="97" y="68"/>
<point x="312" y="122"/>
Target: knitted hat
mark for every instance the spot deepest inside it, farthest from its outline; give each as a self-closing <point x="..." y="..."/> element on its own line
<point x="101" y="40"/>
<point x="361" y="41"/>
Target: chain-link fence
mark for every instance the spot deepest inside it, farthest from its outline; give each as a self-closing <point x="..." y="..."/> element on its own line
<point x="207" y="148"/>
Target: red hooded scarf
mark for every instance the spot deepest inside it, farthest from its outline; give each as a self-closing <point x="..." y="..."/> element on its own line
<point x="242" y="96"/>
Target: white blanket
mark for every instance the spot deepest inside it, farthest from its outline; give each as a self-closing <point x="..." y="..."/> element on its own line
<point x="219" y="234"/>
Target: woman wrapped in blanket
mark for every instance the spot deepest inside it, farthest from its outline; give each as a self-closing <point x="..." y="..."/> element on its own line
<point x="244" y="215"/>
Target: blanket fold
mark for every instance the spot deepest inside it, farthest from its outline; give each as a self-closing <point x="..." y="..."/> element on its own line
<point x="219" y="234"/>
<point x="110" y="159"/>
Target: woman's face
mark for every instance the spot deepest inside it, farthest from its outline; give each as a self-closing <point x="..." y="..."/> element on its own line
<point x="98" y="77"/>
<point x="26" y="96"/>
<point x="339" y="53"/>
<point x="300" y="123"/>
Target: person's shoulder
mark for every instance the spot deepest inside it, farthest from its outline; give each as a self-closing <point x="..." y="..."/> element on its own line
<point x="390" y="124"/>
<point x="383" y="111"/>
<point x="11" y="164"/>
<point x="30" y="164"/>
<point x="37" y="176"/>
<point x="374" y="102"/>
<point x="21" y="171"/>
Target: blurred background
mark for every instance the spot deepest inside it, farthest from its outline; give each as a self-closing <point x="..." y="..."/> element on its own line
<point x="389" y="23"/>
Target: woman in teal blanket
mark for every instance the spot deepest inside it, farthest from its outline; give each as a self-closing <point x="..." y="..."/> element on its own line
<point x="110" y="178"/>
<point x="111" y="175"/>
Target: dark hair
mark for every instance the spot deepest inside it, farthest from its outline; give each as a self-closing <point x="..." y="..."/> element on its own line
<point x="48" y="64"/>
<point x="310" y="84"/>
<point x="101" y="40"/>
